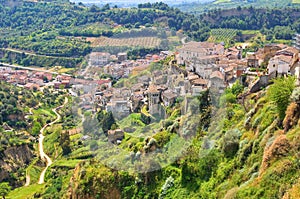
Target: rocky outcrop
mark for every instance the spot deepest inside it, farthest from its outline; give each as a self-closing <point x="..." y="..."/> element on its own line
<point x="12" y="159"/>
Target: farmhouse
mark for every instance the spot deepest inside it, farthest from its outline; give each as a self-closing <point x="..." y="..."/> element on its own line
<point x="31" y="86"/>
<point x="43" y="75"/>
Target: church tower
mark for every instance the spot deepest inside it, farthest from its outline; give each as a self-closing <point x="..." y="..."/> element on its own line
<point x="154" y="99"/>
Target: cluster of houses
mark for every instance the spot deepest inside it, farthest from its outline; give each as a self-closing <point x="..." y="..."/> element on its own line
<point x="25" y="78"/>
<point x="212" y="65"/>
<point x="118" y="66"/>
<point x="34" y="79"/>
<point x="197" y="67"/>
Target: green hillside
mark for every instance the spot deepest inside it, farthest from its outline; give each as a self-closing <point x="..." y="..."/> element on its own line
<point x="198" y="8"/>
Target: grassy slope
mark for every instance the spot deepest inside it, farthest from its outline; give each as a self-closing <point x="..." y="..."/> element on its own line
<point x="25" y="192"/>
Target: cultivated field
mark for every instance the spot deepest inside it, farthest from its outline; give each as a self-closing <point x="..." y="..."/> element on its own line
<point x="222" y="35"/>
<point x="138" y="41"/>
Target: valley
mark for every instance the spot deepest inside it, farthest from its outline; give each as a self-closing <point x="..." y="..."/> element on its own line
<point x="149" y="101"/>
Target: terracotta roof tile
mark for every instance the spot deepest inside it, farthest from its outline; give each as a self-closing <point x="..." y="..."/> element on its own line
<point x="217" y="74"/>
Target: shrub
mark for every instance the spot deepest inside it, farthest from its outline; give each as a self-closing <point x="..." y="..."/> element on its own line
<point x="280" y="93"/>
<point x="291" y="116"/>
<point x="230" y="143"/>
<point x="279" y="148"/>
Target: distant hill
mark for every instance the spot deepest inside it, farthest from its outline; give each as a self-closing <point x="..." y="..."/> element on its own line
<point x="132" y="3"/>
<point x="200" y="7"/>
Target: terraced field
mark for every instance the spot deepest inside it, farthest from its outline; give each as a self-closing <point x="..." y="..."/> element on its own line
<point x="139" y="41"/>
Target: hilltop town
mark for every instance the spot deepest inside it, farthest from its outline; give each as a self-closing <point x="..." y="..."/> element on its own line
<point x="149" y="101"/>
<point x="192" y="69"/>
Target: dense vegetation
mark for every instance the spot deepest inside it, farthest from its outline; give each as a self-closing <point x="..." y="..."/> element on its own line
<point x="281" y="23"/>
<point x="25" y="110"/>
<point x="13" y="100"/>
<point x="38" y="25"/>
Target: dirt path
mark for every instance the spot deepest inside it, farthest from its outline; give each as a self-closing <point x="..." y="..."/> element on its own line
<point x="27" y="179"/>
<point x="43" y="155"/>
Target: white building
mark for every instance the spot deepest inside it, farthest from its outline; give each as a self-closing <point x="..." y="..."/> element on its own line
<point x="284" y="61"/>
<point x="197" y="50"/>
<point x="279" y="64"/>
<point x="98" y="59"/>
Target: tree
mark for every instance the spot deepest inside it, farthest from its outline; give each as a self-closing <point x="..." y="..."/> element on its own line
<point x="36" y="128"/>
<point x="107" y="122"/>
<point x="237" y="88"/>
<point x="93" y="145"/>
<point x="172" y="23"/>
<point x="4" y="189"/>
<point x="65" y="143"/>
<point x="230" y="143"/>
<point x="45" y="79"/>
<point x="186" y="24"/>
<point x="280" y="93"/>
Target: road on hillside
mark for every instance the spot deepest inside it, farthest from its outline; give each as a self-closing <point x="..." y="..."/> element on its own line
<point x="43" y="155"/>
<point x="31" y="69"/>
<point x="34" y="54"/>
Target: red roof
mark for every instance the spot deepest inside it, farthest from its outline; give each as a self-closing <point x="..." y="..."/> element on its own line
<point x="217" y="74"/>
<point x="103" y="81"/>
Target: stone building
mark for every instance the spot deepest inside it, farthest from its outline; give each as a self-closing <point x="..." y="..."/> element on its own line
<point x="154" y="99"/>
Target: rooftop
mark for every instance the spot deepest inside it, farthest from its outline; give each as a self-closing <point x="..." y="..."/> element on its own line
<point x="289" y="50"/>
<point x="200" y="47"/>
<point x="200" y="81"/>
<point x="217" y="74"/>
<point x="169" y="94"/>
<point x="153" y="88"/>
<point x="287" y="59"/>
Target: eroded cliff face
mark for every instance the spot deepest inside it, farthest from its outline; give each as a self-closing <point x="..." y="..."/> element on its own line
<point x="89" y="182"/>
<point x="12" y="160"/>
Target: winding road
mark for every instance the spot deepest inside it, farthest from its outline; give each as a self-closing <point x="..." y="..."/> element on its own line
<point x="31" y="69"/>
<point x="43" y="155"/>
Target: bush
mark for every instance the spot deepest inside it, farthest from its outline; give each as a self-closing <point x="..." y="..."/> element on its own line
<point x="280" y="93"/>
<point x="230" y="143"/>
<point x="93" y="145"/>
